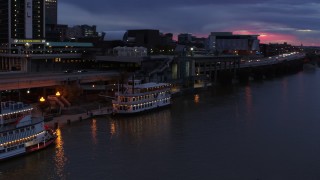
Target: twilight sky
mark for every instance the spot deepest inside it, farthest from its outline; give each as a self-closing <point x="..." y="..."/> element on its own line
<point x="292" y="21"/>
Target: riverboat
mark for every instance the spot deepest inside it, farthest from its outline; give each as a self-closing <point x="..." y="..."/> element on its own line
<point x="136" y="97"/>
<point x="20" y="131"/>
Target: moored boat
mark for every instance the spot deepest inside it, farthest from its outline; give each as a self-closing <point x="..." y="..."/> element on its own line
<point x="20" y="131"/>
<point x="137" y="97"/>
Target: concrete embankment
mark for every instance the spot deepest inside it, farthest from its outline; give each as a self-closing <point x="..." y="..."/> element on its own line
<point x="68" y="119"/>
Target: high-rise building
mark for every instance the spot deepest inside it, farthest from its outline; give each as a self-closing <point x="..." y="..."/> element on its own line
<point x="23" y="46"/>
<point x="184" y="38"/>
<point x="51" y="11"/>
<point x="82" y="31"/>
<point x="21" y="19"/>
<point x="148" y="38"/>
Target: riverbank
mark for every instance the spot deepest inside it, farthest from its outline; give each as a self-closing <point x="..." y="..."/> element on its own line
<point x="64" y="119"/>
<point x="80" y="110"/>
<point x="69" y="118"/>
<point x="86" y="110"/>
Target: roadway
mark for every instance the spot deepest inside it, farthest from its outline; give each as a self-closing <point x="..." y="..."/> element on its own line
<point x="272" y="60"/>
<point x="15" y="80"/>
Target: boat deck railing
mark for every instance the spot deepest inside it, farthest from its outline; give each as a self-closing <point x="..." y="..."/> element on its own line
<point x="137" y="93"/>
<point x="11" y="107"/>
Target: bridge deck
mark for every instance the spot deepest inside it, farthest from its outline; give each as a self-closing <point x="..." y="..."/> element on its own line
<point x="9" y="81"/>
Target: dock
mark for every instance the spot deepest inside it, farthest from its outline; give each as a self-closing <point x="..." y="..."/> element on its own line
<point x="70" y="118"/>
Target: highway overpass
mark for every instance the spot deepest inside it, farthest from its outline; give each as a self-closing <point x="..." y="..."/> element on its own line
<point x="15" y="81"/>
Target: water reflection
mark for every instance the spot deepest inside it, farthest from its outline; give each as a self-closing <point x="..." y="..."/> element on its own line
<point x="113" y="128"/>
<point x="60" y="159"/>
<point x="137" y="128"/>
<point x="196" y="98"/>
<point x="248" y="98"/>
<point x="94" y="131"/>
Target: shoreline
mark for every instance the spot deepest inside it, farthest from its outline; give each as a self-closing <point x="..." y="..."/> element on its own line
<point x="67" y="119"/>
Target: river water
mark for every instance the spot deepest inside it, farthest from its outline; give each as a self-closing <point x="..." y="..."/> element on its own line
<point x="263" y="130"/>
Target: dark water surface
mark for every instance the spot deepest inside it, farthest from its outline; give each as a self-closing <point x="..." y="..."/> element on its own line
<point x="265" y="130"/>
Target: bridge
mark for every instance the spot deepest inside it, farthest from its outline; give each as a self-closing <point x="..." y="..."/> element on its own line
<point x="204" y="67"/>
<point x="225" y="69"/>
<point x="15" y="81"/>
<point x="272" y="60"/>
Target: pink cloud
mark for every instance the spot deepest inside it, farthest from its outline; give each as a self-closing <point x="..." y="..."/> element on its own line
<point x="268" y="37"/>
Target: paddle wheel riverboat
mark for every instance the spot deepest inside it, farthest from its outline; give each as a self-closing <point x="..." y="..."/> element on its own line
<point x="20" y="132"/>
<point x="136" y="97"/>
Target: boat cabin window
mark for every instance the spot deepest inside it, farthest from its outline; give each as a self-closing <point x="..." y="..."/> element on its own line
<point x="11" y="148"/>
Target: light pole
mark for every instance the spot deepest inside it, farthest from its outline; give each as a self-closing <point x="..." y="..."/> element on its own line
<point x="58" y="95"/>
<point x="28" y="67"/>
<point x="42" y="105"/>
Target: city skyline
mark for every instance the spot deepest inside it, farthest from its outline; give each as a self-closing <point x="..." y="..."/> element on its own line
<point x="295" y="22"/>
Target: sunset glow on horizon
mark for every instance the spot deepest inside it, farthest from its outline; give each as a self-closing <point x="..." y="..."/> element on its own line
<point x="264" y="37"/>
<point x="295" y="22"/>
<point x="267" y="38"/>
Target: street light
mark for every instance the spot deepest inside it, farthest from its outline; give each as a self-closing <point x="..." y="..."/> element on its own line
<point x="58" y="95"/>
<point x="28" y="59"/>
<point x="42" y="99"/>
<point x="191" y="51"/>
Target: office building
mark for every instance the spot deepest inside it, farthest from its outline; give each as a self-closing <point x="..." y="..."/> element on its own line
<point x="273" y="49"/>
<point x="23" y="46"/>
<point x="21" y="19"/>
<point x="184" y="38"/>
<point x="51" y="11"/>
<point x="227" y="42"/>
<point x="82" y="31"/>
<point x="148" y="38"/>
